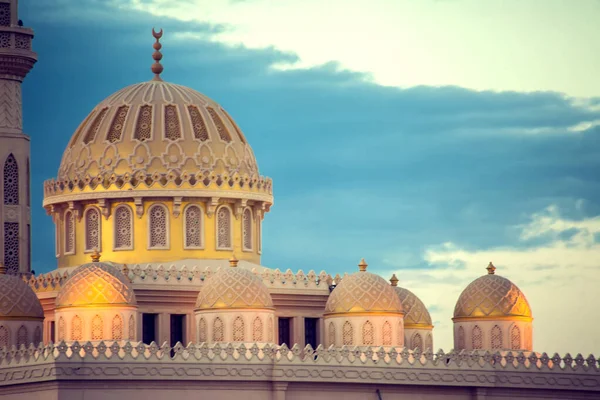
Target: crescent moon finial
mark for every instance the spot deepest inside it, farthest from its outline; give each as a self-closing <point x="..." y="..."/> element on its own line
<point x="157" y="35"/>
<point x="157" y="67"/>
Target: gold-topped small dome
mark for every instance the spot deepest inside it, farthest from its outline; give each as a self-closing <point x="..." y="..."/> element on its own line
<point x="17" y="299"/>
<point x="234" y="288"/>
<point x="363" y="292"/>
<point x="98" y="284"/>
<point x="416" y="314"/>
<point x="492" y="296"/>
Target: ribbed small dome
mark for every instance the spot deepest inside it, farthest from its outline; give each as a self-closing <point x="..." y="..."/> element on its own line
<point x="492" y="296"/>
<point x="234" y="288"/>
<point x="363" y="292"/>
<point x="17" y="299"/>
<point x="415" y="312"/>
<point x="98" y="284"/>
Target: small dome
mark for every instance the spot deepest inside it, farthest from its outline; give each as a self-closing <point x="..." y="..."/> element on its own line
<point x="415" y="312"/>
<point x="96" y="283"/>
<point x="17" y="299"/>
<point x="232" y="288"/>
<point x="492" y="296"/>
<point x="363" y="292"/>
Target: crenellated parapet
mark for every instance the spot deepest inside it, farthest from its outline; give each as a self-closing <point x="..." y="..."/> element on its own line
<point x="384" y="366"/>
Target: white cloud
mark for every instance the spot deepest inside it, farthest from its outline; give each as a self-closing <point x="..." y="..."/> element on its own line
<point x="509" y="45"/>
<point x="559" y="278"/>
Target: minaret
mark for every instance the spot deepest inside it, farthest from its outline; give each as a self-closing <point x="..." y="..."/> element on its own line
<point x="16" y="60"/>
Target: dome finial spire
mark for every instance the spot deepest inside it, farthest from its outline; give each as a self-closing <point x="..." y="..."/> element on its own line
<point x="490" y="268"/>
<point x="362" y="266"/>
<point x="95" y="256"/>
<point x="233" y="262"/>
<point x="394" y="280"/>
<point x="157" y="67"/>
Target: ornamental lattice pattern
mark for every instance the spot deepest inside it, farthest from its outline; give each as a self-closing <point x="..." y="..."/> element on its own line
<point x="117" y="327"/>
<point x="363" y="292"/>
<point x="238" y="330"/>
<point x="62" y="329"/>
<point x="17" y="299"/>
<point x="224" y="228"/>
<point x="143" y="127"/>
<point x="198" y="125"/>
<point x="347" y="334"/>
<point x="37" y="336"/>
<point x="116" y="128"/>
<point x="22" y="336"/>
<point x="131" y="327"/>
<point x="11" y="246"/>
<point x="429" y="342"/>
<point x="218" y="330"/>
<point x="22" y="41"/>
<point x="97" y="328"/>
<point x="193" y="227"/>
<point x="515" y="338"/>
<point x="202" y="334"/>
<point x="247" y="231"/>
<point x="257" y="330"/>
<point x="4" y="14"/>
<point x="11" y="181"/>
<point x="331" y="334"/>
<point x="172" y="126"/>
<point x="4" y="39"/>
<point x="123" y="228"/>
<point x="270" y="330"/>
<point x="158" y="226"/>
<point x="76" y="328"/>
<point x="496" y="337"/>
<point x="92" y="230"/>
<point x="476" y="338"/>
<point x="417" y="342"/>
<point x="415" y="311"/>
<point x="4" y="336"/>
<point x="223" y="133"/>
<point x="461" y="338"/>
<point x="11" y="115"/>
<point x="69" y="232"/>
<point x="387" y="334"/>
<point x="93" y="129"/>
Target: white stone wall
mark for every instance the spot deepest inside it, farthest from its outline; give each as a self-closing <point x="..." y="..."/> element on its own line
<point x="237" y="325"/>
<point x="96" y="323"/>
<point x="355" y="330"/>
<point x="15" y="332"/>
<point x="491" y="331"/>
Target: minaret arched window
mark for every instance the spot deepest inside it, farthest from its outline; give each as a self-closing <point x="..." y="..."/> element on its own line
<point x="62" y="329"/>
<point x="92" y="229"/>
<point x="496" y="337"/>
<point x="37" y="336"/>
<point x="417" y="342"/>
<point x="202" y="331"/>
<point x="117" y="327"/>
<point x="4" y="336"/>
<point x="257" y="330"/>
<point x="461" y="338"/>
<point x="247" y="230"/>
<point x="477" y="338"/>
<point x="224" y="231"/>
<point x="123" y="228"/>
<point x="76" y="328"/>
<point x="132" y="327"/>
<point x="515" y="338"/>
<point x="218" y="330"/>
<point x="387" y="334"/>
<point x="193" y="227"/>
<point x="11" y="181"/>
<point x="69" y="232"/>
<point x="429" y="342"/>
<point x="158" y="229"/>
<point x="347" y="334"/>
<point x="331" y="334"/>
<point x="238" y="330"/>
<point x="11" y="246"/>
<point x="22" y="336"/>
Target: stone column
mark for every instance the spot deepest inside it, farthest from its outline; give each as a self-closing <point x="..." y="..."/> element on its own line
<point x="279" y="389"/>
<point x="298" y="332"/>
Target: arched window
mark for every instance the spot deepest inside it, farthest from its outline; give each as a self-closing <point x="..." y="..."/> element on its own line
<point x="132" y="327"/>
<point x="123" y="228"/>
<point x="257" y="330"/>
<point x="387" y="334"/>
<point x="496" y="337"/>
<point x="11" y="181"/>
<point x="11" y="246"/>
<point x="62" y="329"/>
<point x="193" y="227"/>
<point x="69" y="232"/>
<point x="97" y="328"/>
<point x="158" y="229"/>
<point x="417" y="342"/>
<point x="92" y="230"/>
<point x="37" y="336"/>
<point x="429" y="342"/>
<point x="224" y="231"/>
<point x="347" y="334"/>
<point x="76" y="328"/>
<point x="202" y="336"/>
<point x="270" y="330"/>
<point x="4" y="336"/>
<point x="247" y="230"/>
<point x="461" y="338"/>
<point x="218" y="330"/>
<point x="331" y="334"/>
<point x="117" y="327"/>
<point x="477" y="338"/>
<point x="515" y="338"/>
<point x="22" y="338"/>
<point x="238" y="330"/>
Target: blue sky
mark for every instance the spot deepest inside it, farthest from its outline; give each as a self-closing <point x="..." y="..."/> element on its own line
<point x="429" y="178"/>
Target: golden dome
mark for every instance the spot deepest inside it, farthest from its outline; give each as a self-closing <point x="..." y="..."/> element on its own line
<point x="98" y="284"/>
<point x="233" y="288"/>
<point x="415" y="312"/>
<point x="492" y="296"/>
<point x="17" y="299"/>
<point x="363" y="292"/>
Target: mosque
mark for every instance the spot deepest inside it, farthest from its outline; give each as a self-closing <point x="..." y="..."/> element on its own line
<point x="158" y="206"/>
